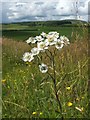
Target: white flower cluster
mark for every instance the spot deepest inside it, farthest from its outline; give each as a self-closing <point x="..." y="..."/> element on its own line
<point x="43" y="41"/>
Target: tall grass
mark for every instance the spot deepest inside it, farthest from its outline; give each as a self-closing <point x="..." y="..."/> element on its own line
<point x="26" y="90"/>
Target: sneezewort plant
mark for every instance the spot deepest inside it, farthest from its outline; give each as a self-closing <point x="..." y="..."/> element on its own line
<point x="43" y="42"/>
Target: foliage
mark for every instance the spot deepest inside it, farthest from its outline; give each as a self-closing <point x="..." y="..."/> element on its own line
<point x="27" y="95"/>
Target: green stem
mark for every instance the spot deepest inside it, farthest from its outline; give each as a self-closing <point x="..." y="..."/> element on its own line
<point x="55" y="87"/>
<point x="54" y="80"/>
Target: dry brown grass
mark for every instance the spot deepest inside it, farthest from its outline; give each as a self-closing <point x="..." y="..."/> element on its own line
<point x="13" y="48"/>
<point x="14" y="45"/>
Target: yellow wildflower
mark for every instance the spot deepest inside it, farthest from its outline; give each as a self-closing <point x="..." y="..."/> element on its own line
<point x="34" y="113"/>
<point x="82" y="109"/>
<point x="77" y="99"/>
<point x="8" y="87"/>
<point x="69" y="104"/>
<point x="3" y="81"/>
<point x="41" y="113"/>
<point x="82" y="97"/>
<point x="68" y="88"/>
<point x="28" y="63"/>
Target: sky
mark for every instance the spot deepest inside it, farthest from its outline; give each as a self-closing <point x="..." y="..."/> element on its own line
<point x="43" y="10"/>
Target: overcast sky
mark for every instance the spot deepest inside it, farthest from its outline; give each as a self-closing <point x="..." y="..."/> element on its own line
<point x="42" y="10"/>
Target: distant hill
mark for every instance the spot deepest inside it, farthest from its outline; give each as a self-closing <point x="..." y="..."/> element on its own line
<point x="69" y="22"/>
<point x="55" y="23"/>
<point x="36" y="25"/>
<point x="21" y="30"/>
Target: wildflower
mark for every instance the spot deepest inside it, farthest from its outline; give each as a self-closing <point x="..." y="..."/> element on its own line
<point x="27" y="57"/>
<point x="31" y="40"/>
<point x="82" y="109"/>
<point x="69" y="104"/>
<point x="54" y="34"/>
<point x="65" y="40"/>
<point x="59" y="44"/>
<point x="28" y="41"/>
<point x="68" y="88"/>
<point x="8" y="87"/>
<point x="35" y="51"/>
<point x="3" y="81"/>
<point x="41" y="113"/>
<point x="43" y="68"/>
<point x="42" y="46"/>
<point x="77" y="99"/>
<point x="34" y="113"/>
<point x="27" y="63"/>
<point x="51" y="40"/>
<point x="39" y="38"/>
<point x="43" y="34"/>
<point x="82" y="97"/>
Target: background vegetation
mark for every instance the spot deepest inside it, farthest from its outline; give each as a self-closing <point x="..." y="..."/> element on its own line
<point x="26" y="92"/>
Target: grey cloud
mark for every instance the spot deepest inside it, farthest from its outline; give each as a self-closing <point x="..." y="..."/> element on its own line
<point x="39" y="3"/>
<point x="29" y="18"/>
<point x="20" y="10"/>
<point x="5" y="10"/>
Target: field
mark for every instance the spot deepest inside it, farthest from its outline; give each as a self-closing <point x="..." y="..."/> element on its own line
<point x="27" y="93"/>
<point x="21" y="31"/>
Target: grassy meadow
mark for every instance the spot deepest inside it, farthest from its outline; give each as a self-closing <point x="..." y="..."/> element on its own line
<point x="27" y="93"/>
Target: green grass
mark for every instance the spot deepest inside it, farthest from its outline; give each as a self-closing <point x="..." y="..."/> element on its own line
<point x="27" y="90"/>
<point x="22" y="32"/>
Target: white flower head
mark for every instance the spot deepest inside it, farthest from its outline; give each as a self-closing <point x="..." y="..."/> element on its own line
<point x="27" y="57"/>
<point x="35" y="51"/>
<point x="54" y="34"/>
<point x="39" y="38"/>
<point x="65" y="40"/>
<point x="43" y="68"/>
<point x="52" y="38"/>
<point x="59" y="44"/>
<point x="42" y="46"/>
<point x="43" y="34"/>
<point x="31" y="40"/>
